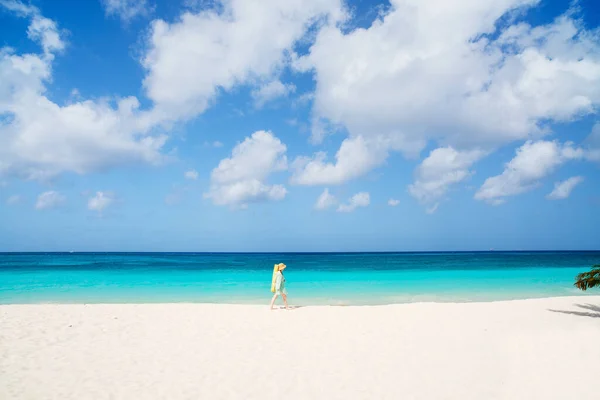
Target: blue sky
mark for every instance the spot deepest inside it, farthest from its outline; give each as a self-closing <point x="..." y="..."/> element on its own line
<point x="314" y="125"/>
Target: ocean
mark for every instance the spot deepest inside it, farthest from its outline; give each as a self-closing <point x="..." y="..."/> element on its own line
<point x="311" y="278"/>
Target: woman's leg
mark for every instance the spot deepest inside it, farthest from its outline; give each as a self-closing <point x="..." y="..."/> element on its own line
<point x="285" y="301"/>
<point x="273" y="300"/>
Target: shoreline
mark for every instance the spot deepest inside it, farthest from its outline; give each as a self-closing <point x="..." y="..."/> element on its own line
<point x="582" y="295"/>
<point x="515" y="349"/>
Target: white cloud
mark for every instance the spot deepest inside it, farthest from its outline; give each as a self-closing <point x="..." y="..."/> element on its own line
<point x="127" y="9"/>
<point x="19" y="7"/>
<point x="270" y="91"/>
<point x="361" y="199"/>
<point x="455" y="73"/>
<point x="532" y="162"/>
<point x="45" y="31"/>
<point x="472" y="82"/>
<point x="325" y="200"/>
<point x="14" y="199"/>
<point x="49" y="200"/>
<point x="304" y="99"/>
<point x="100" y="201"/>
<point x="393" y="202"/>
<point x="241" y="178"/>
<point x="355" y="157"/>
<point x="187" y="63"/>
<point x="42" y="30"/>
<point x="240" y="42"/>
<point x="563" y="189"/>
<point x="40" y="138"/>
<point x="192" y="174"/>
<point x="443" y="168"/>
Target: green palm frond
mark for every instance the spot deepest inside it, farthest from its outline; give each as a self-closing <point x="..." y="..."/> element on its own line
<point x="589" y="279"/>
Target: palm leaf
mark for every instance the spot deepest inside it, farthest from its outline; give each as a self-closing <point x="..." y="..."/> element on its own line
<point x="589" y="279"/>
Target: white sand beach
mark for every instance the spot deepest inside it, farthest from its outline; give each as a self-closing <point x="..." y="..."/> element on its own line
<point x="530" y="349"/>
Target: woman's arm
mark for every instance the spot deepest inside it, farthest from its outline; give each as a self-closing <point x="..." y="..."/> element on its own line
<point x="278" y="281"/>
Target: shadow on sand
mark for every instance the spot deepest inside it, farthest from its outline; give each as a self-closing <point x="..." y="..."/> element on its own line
<point x="283" y="308"/>
<point x="595" y="311"/>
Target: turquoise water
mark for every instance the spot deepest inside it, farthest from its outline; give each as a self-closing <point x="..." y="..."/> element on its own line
<point x="334" y="279"/>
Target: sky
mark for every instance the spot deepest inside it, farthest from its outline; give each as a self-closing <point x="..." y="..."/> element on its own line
<point x="299" y="125"/>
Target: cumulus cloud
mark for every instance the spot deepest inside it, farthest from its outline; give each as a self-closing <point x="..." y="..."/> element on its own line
<point x="192" y="174"/>
<point x="126" y="10"/>
<point x="355" y="157"/>
<point x="100" y="201"/>
<point x="187" y="63"/>
<point x="270" y="91"/>
<point x="476" y="80"/>
<point x="362" y="199"/>
<point x="325" y="200"/>
<point x="41" y="30"/>
<point x="40" y="138"/>
<point x="532" y="162"/>
<point x="444" y="167"/>
<point x="242" y="178"/>
<point x="563" y="189"/>
<point x="240" y="42"/>
<point x="393" y="202"/>
<point x="45" y="31"/>
<point x="49" y="200"/>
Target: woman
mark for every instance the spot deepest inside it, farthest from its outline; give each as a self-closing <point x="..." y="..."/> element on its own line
<point x="278" y="285"/>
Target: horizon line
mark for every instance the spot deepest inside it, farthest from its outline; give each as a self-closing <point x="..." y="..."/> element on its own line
<point x="298" y="252"/>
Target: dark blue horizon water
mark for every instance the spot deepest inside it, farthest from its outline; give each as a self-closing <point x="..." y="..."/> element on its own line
<point x="312" y="278"/>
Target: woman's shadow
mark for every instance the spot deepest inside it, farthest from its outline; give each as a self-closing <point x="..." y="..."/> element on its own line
<point x="595" y="311"/>
<point x="291" y="307"/>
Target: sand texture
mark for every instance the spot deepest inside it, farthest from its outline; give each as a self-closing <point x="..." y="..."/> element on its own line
<point x="530" y="349"/>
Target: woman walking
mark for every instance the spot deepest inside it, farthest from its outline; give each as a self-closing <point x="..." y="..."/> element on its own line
<point x="278" y="285"/>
